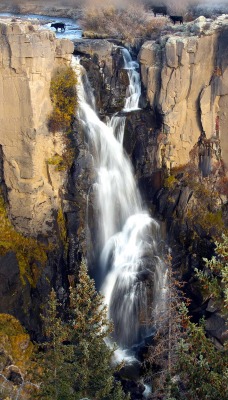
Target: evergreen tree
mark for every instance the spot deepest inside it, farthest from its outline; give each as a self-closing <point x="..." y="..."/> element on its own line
<point x="93" y="372"/>
<point x="75" y="362"/>
<point x="54" y="357"/>
<point x="214" y="277"/>
<point x="185" y="363"/>
<point x="203" y="370"/>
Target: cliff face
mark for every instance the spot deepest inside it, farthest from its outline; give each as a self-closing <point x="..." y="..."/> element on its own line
<point x="185" y="76"/>
<point x="28" y="60"/>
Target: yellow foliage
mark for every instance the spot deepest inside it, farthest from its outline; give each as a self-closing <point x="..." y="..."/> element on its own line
<point x="31" y="255"/>
<point x="170" y="182"/>
<point x="15" y="341"/>
<point x="62" y="226"/>
<point x="63" y="97"/>
<point x="57" y="161"/>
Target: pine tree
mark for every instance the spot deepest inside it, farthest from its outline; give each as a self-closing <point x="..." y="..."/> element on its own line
<point x="54" y="357"/>
<point x="93" y="371"/>
<point x="75" y="362"/>
<point x="201" y="367"/>
<point x="185" y="363"/>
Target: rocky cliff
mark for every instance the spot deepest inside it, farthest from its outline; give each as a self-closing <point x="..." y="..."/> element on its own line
<point x="29" y="57"/>
<point x="31" y="183"/>
<point x="185" y="75"/>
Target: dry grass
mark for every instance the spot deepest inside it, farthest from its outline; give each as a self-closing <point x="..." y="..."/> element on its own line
<point x="122" y="22"/>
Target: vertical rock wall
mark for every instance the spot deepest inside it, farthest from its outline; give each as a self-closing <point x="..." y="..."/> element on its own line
<point x="28" y="59"/>
<point x="186" y="79"/>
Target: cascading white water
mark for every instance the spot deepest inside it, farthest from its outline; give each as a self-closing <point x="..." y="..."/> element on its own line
<point x="117" y="123"/>
<point x="134" y="88"/>
<point x="127" y="233"/>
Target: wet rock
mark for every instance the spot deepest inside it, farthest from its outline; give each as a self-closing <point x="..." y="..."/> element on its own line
<point x="104" y="64"/>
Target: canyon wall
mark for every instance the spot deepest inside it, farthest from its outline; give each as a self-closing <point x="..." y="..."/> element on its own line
<point x="185" y="75"/>
<point x="29" y="58"/>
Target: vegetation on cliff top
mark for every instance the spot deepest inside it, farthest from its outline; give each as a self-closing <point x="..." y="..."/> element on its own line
<point x="123" y="22"/>
<point x="31" y="255"/>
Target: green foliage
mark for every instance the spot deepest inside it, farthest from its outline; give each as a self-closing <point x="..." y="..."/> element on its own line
<point x="90" y="325"/>
<point x="31" y="255"/>
<point x="185" y="365"/>
<point x="55" y="359"/>
<point x="63" y="97"/>
<point x="214" y="277"/>
<point x="75" y="361"/>
<point x="202" y="368"/>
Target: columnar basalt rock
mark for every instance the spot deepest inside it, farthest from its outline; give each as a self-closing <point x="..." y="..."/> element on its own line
<point x="185" y="74"/>
<point x="29" y="57"/>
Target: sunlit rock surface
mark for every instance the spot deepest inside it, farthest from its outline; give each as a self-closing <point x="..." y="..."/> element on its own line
<point x="29" y="57"/>
<point x="186" y="78"/>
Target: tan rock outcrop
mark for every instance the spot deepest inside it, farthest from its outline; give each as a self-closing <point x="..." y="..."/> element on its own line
<point x="29" y="57"/>
<point x="185" y="74"/>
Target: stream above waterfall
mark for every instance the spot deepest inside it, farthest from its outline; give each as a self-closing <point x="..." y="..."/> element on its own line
<point x="72" y="31"/>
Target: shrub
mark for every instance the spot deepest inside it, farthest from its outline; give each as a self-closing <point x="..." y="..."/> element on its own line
<point x="125" y="22"/>
<point x="63" y="97"/>
<point x="15" y="360"/>
<point x="170" y="182"/>
<point x="214" y="277"/>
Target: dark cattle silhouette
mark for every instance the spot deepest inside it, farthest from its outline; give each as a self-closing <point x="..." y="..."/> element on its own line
<point x="59" y="25"/>
<point x="159" y="10"/>
<point x="176" y="18"/>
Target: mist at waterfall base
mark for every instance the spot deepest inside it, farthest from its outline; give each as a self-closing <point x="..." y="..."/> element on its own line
<point x="127" y="235"/>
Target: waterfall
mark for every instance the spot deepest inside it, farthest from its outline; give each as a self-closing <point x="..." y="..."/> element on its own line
<point x="134" y="88"/>
<point x="127" y="234"/>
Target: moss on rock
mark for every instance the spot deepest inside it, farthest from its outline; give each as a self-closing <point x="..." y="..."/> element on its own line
<point x="31" y="254"/>
<point x="15" y="341"/>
